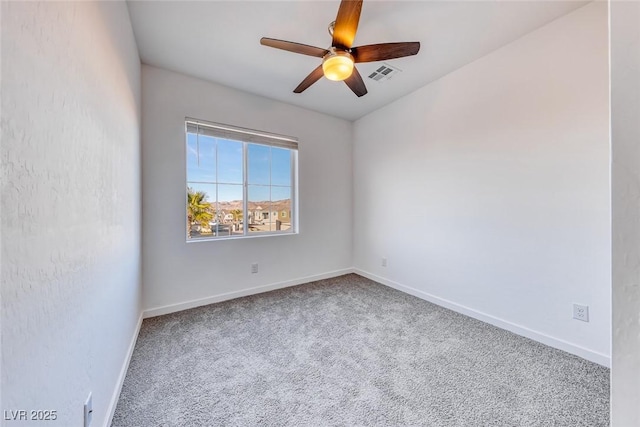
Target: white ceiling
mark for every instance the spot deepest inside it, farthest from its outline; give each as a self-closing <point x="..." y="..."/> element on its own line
<point x="219" y="41"/>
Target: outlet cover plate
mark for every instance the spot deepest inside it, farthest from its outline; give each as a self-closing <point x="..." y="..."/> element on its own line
<point x="581" y="312"/>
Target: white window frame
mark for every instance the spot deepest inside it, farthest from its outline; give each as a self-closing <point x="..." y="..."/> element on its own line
<point x="247" y="136"/>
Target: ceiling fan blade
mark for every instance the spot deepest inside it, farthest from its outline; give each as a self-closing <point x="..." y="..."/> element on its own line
<point x="356" y="84"/>
<point x="294" y="47"/>
<point x="309" y="80"/>
<point x="347" y="20"/>
<point x="384" y="51"/>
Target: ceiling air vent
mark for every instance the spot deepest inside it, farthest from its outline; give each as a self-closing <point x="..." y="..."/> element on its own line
<point x="384" y="72"/>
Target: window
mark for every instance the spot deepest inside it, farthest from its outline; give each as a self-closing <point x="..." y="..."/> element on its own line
<point x="237" y="182"/>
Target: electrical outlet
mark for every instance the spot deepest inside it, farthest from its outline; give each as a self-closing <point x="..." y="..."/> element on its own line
<point x="384" y="262"/>
<point x="88" y="411"/>
<point x="581" y="312"/>
<point x="254" y="268"/>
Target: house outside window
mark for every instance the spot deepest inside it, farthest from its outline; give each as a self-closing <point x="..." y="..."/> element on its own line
<point x="237" y="181"/>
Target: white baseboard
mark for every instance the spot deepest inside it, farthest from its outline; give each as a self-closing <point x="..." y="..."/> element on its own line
<point x="123" y="373"/>
<point x="172" y="308"/>
<point x="587" y="354"/>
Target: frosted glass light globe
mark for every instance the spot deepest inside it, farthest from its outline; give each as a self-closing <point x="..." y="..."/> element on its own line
<point x="337" y="66"/>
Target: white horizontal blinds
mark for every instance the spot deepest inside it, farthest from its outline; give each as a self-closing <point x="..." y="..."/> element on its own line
<point x="241" y="134"/>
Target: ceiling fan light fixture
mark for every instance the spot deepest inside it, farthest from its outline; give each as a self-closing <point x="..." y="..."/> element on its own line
<point x="337" y="65"/>
<point x="339" y="59"/>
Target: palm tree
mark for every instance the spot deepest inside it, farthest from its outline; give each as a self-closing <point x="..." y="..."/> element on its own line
<point x="198" y="209"/>
<point x="237" y="214"/>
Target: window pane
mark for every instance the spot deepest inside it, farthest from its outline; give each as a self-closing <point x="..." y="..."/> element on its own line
<point x="201" y="207"/>
<point x="258" y="163"/>
<point x="229" y="161"/>
<point x="281" y="206"/>
<point x="280" y="166"/>
<point x="229" y="216"/>
<point x="258" y="206"/>
<point x="280" y="193"/>
<point x="201" y="158"/>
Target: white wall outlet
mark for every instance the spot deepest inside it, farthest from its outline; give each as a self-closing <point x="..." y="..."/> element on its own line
<point x="88" y="411"/>
<point x="581" y="312"/>
<point x="254" y="268"/>
<point x="383" y="262"/>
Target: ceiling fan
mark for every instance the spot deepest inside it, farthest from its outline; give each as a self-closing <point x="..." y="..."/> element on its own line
<point x="338" y="60"/>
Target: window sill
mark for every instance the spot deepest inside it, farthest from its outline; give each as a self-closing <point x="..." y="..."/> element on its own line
<point x="251" y="236"/>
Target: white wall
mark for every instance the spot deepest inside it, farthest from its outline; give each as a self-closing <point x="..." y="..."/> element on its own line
<point x="70" y="205"/>
<point x="488" y="190"/>
<point x="625" y="123"/>
<point x="175" y="272"/>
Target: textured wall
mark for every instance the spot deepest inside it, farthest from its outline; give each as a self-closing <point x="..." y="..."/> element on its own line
<point x="175" y="271"/>
<point x="70" y="205"/>
<point x="625" y="125"/>
<point x="489" y="188"/>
